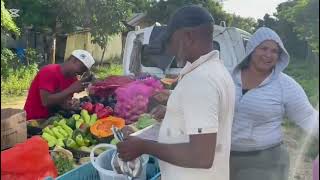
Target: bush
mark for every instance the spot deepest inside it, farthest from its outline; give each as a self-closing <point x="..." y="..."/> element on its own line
<point x="307" y="75"/>
<point x="16" y="77"/>
<point x="9" y="62"/>
<point x="33" y="57"/>
<point x="19" y="80"/>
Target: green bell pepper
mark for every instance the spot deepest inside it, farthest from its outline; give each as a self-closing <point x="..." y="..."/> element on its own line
<point x="67" y="129"/>
<point x="93" y="119"/>
<point x="85" y="116"/>
<point x="80" y="140"/>
<point x="48" y="130"/>
<point x="70" y="143"/>
<point x="50" y="139"/>
<point x="71" y="123"/>
<point x="76" y="117"/>
<point x="60" y="143"/>
<point x="63" y="132"/>
<point x="79" y="122"/>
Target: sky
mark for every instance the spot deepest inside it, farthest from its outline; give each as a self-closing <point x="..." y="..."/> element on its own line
<point x="251" y="8"/>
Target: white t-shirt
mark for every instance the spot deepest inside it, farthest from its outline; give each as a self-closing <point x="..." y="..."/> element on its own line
<point x="202" y="102"/>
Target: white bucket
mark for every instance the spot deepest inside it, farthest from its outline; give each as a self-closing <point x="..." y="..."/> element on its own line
<point x="103" y="164"/>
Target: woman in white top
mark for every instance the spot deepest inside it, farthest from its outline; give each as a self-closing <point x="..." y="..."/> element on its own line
<point x="264" y="97"/>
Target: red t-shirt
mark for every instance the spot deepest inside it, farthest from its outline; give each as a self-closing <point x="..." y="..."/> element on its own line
<point x="51" y="79"/>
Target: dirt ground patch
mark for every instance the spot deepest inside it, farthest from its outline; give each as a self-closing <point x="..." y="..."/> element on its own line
<point x="300" y="163"/>
<point x="18" y="102"/>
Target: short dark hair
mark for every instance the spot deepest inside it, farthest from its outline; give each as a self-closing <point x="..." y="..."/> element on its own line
<point x="187" y="17"/>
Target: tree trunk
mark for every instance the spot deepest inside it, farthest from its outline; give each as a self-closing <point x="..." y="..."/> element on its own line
<point x="104" y="50"/>
<point x="54" y="40"/>
<point x="53" y="49"/>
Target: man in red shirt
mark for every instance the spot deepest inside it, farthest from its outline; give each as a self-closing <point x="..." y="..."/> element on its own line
<point x="56" y="83"/>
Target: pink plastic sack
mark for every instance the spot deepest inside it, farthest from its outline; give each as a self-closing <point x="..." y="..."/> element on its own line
<point x="315" y="169"/>
<point x="133" y="99"/>
<point x="105" y="88"/>
<point x="28" y="161"/>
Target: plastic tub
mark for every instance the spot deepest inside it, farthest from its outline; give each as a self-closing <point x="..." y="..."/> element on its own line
<point x="103" y="164"/>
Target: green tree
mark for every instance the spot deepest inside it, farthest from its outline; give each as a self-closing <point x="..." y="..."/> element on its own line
<point x="105" y="19"/>
<point x="160" y="11"/>
<point x="295" y="46"/>
<point x="51" y="17"/>
<point x="102" y="17"/>
<point x="304" y="15"/>
<point x="7" y="23"/>
<point x="247" y="24"/>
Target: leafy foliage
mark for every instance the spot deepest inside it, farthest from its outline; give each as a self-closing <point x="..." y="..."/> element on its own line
<point x="105" y="19"/>
<point x="15" y="76"/>
<point x="297" y="23"/>
<point x="49" y="16"/>
<point x="8" y="61"/>
<point x="303" y="13"/>
<point x="160" y="11"/>
<point x="7" y="22"/>
<point x="247" y="24"/>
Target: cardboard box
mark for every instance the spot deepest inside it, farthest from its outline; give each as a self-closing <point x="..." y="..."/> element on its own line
<point x="13" y="127"/>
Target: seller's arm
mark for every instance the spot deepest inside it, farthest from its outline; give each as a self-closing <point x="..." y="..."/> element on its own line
<point x="49" y="98"/>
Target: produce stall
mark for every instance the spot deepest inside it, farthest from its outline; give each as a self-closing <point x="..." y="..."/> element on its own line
<point x="117" y="101"/>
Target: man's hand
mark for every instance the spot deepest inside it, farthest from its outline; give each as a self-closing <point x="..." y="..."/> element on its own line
<point x="77" y="87"/>
<point x="198" y="153"/>
<point x="127" y="130"/>
<point x="130" y="149"/>
<point x="158" y="112"/>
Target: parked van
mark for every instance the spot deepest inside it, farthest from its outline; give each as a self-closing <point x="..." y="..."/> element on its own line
<point x="144" y="51"/>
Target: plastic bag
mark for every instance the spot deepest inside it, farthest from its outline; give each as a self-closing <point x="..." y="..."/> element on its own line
<point x="105" y="88"/>
<point x="133" y="99"/>
<point x="28" y="161"/>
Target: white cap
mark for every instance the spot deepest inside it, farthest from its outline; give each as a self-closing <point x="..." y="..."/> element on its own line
<point x="84" y="56"/>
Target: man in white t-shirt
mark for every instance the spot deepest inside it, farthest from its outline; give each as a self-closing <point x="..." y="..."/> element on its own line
<point x="195" y="134"/>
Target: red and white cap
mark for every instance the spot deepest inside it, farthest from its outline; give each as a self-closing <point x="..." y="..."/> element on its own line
<point x="84" y="56"/>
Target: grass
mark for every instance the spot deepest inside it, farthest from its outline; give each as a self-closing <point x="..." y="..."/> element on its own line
<point x="102" y="72"/>
<point x="306" y="73"/>
<point x="18" y="82"/>
<point x="14" y="87"/>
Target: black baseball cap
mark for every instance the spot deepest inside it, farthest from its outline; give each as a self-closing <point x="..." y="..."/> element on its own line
<point x="187" y="16"/>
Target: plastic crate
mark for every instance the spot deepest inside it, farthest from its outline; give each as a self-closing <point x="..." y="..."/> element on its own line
<point x="88" y="172"/>
<point x="83" y="172"/>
